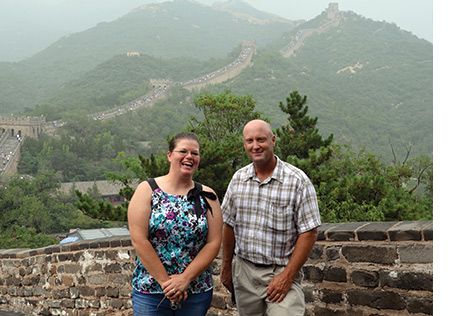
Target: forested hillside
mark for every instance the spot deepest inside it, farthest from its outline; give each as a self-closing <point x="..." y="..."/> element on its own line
<point x="166" y="30"/>
<point x="369" y="82"/>
<point x="119" y="80"/>
<point x="351" y="186"/>
<point x="362" y="82"/>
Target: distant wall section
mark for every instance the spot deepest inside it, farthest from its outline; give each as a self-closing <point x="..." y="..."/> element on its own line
<point x="23" y="126"/>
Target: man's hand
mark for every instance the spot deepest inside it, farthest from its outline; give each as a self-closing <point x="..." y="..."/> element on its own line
<point x="279" y="287"/>
<point x="226" y="277"/>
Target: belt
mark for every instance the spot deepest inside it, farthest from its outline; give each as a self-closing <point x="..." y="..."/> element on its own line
<point x="259" y="265"/>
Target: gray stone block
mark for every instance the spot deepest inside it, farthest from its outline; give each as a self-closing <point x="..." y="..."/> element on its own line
<point x="428" y="231"/>
<point x="407" y="231"/>
<point x="316" y="252"/>
<point x="323" y="229"/>
<point x="407" y="280"/>
<point x="219" y="300"/>
<point x="60" y="293"/>
<point x="376" y="299"/>
<point x="365" y="278"/>
<point x="312" y="273"/>
<point x="420" y="305"/>
<point x="86" y="291"/>
<point x="112" y="292"/>
<point x="309" y="294"/>
<point x="331" y="296"/>
<point x="374" y="231"/>
<point x="113" y="268"/>
<point x="67" y="303"/>
<point x="332" y="253"/>
<point x="329" y="311"/>
<point x="335" y="274"/>
<point x="416" y="253"/>
<point x="374" y="254"/>
<point x="344" y="231"/>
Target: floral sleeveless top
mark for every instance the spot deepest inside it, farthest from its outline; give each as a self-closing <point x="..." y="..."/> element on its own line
<point x="177" y="233"/>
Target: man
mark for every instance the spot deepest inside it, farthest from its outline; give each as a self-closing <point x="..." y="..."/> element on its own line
<point x="270" y="226"/>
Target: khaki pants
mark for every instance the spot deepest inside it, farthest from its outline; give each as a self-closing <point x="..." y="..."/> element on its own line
<point x="250" y="284"/>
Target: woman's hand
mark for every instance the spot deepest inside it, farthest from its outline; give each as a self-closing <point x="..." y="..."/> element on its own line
<point x="175" y="289"/>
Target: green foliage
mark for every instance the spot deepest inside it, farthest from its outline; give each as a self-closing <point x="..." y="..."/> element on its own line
<point x="31" y="209"/>
<point x="361" y="187"/>
<point x="350" y="186"/>
<point x="301" y="134"/>
<point x="354" y="186"/>
<point x="179" y="29"/>
<point x="219" y="132"/>
<point x="385" y="98"/>
<point x="22" y="237"/>
<point x="83" y="151"/>
<point x="220" y="135"/>
<point x="100" y="209"/>
<point x="135" y="169"/>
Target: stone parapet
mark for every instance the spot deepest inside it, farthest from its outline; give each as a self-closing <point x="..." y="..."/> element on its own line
<point x="359" y="269"/>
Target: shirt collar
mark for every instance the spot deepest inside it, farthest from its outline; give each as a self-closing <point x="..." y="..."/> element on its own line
<point x="277" y="173"/>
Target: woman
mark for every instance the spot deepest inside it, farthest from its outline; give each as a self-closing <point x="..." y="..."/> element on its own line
<point x="176" y="229"/>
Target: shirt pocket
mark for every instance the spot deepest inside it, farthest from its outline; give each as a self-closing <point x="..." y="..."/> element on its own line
<point x="281" y="216"/>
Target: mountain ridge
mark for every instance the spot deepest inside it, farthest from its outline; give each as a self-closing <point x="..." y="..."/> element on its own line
<point x="368" y="70"/>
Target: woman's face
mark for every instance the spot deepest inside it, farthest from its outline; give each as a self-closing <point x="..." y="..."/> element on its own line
<point x="185" y="157"/>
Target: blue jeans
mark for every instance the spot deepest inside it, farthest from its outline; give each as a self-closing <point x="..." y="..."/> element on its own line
<point x="158" y="305"/>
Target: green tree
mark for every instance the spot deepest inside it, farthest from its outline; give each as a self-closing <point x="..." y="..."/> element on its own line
<point x="32" y="209"/>
<point x="361" y="187"/>
<point x="24" y="237"/>
<point x="353" y="186"/>
<point x="300" y="135"/>
<point x="220" y="135"/>
<point x="219" y="129"/>
<point x="100" y="209"/>
<point x="136" y="169"/>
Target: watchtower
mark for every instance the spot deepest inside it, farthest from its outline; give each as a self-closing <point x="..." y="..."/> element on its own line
<point x="23" y="126"/>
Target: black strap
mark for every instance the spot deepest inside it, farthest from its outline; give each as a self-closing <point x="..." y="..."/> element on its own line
<point x="194" y="195"/>
<point x="153" y="183"/>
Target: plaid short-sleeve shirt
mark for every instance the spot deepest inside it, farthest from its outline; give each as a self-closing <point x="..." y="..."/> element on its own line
<point x="268" y="216"/>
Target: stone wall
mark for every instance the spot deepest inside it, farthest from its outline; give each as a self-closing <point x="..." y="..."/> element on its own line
<point x="357" y="269"/>
<point x="28" y="126"/>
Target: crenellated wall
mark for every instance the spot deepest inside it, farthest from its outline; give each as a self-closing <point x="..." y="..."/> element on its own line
<point x="357" y="269"/>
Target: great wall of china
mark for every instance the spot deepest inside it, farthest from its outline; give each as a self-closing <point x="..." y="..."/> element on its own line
<point x="362" y="269"/>
<point x="358" y="269"/>
<point x="14" y="129"/>
<point x="298" y="40"/>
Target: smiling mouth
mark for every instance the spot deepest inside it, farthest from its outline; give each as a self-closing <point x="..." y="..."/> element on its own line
<point x="187" y="164"/>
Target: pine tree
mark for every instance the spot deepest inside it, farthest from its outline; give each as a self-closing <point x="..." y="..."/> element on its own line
<point x="220" y="134"/>
<point x="300" y="135"/>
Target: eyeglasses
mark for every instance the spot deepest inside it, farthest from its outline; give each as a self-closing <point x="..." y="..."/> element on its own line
<point x="184" y="152"/>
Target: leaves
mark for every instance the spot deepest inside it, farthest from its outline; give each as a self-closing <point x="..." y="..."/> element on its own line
<point x="220" y="135"/>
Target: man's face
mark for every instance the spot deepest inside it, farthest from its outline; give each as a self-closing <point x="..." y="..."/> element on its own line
<point x="259" y="143"/>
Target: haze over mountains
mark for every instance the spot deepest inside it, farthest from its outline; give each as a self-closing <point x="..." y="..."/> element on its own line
<point x="29" y="26"/>
<point x="370" y="83"/>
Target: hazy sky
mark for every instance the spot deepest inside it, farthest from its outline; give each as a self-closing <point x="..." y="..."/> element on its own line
<point x="27" y="26"/>
<point x="412" y="15"/>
